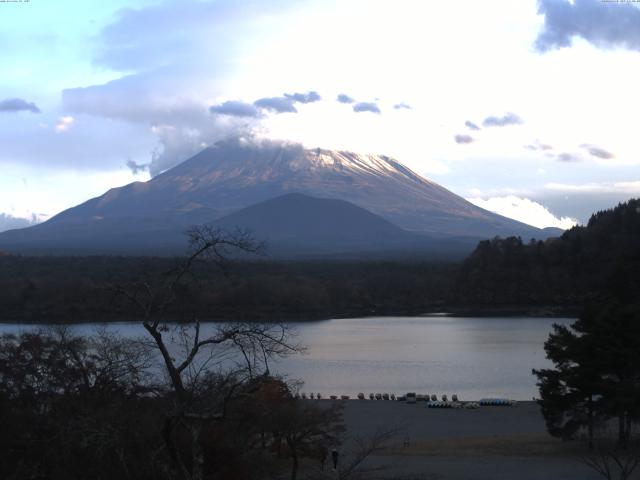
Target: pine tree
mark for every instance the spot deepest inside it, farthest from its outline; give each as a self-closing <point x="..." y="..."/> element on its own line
<point x="597" y="372"/>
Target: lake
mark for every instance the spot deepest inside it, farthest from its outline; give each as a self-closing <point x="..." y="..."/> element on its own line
<point x="471" y="357"/>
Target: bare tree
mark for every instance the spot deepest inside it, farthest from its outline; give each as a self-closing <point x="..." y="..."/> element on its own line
<point x="612" y="461"/>
<point x="238" y="351"/>
<point x="364" y="448"/>
<point x="353" y="463"/>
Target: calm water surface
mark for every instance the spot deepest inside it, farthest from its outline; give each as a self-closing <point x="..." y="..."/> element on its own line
<point x="473" y="357"/>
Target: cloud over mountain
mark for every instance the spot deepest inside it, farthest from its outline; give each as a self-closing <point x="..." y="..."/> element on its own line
<point x="524" y="210"/>
<point x="463" y="139"/>
<point x="168" y="79"/>
<point x="344" y="98"/>
<point x="137" y="167"/>
<point x="235" y="108"/>
<point x="538" y="146"/>
<point x="503" y="121"/>
<point x="366" y="107"/>
<point x="567" y="157"/>
<point x="18" y="105"/>
<point x="605" y="24"/>
<point x="597" y="151"/>
<point x="471" y="126"/>
<point x="308" y="97"/>
<point x="276" y="104"/>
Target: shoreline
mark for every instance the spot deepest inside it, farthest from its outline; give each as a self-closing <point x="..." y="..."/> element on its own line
<point x="494" y="443"/>
<point x="454" y="312"/>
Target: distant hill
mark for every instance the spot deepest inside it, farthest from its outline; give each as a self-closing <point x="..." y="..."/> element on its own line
<point x="600" y="258"/>
<point x="236" y="174"/>
<point x="296" y="225"/>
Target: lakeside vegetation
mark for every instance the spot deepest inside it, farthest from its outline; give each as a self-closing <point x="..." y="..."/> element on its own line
<point x="580" y="266"/>
<point x="80" y="289"/>
<point x="501" y="276"/>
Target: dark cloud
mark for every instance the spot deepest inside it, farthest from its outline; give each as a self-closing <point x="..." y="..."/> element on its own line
<point x="602" y="23"/>
<point x="18" y="105"/>
<point x="343" y="98"/>
<point x="308" y="97"/>
<point x="471" y="126"/>
<point x="145" y="97"/>
<point x="463" y="139"/>
<point x="276" y="104"/>
<point x="402" y="105"/>
<point x="235" y="108"/>
<point x="597" y="151"/>
<point x="366" y="107"/>
<point x="537" y="146"/>
<point x="507" y="119"/>
<point x="137" y="167"/>
<point x="567" y="157"/>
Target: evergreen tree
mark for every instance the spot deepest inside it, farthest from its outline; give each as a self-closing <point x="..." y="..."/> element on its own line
<point x="596" y="374"/>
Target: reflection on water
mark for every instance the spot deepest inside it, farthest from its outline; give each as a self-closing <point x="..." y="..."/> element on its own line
<point x="473" y="357"/>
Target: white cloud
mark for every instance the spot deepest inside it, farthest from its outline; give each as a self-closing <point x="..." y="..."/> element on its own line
<point x="64" y="124"/>
<point x="524" y="210"/>
<point x="631" y="187"/>
<point x="10" y="222"/>
<point x="25" y="192"/>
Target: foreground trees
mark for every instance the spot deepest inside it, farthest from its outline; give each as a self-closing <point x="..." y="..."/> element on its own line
<point x="74" y="407"/>
<point x="186" y="402"/>
<point x="597" y="374"/>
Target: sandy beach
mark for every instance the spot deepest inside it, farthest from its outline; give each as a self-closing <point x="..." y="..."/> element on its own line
<point x="489" y="443"/>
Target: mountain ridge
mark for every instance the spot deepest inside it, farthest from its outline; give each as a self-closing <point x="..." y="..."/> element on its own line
<point x="238" y="173"/>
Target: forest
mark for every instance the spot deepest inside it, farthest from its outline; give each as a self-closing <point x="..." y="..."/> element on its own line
<point x="585" y="262"/>
<point x="78" y="289"/>
<point x="505" y="275"/>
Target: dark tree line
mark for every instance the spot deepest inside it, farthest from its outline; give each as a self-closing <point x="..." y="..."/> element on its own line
<point x="561" y="273"/>
<point x="567" y="271"/>
<point x="77" y="289"/>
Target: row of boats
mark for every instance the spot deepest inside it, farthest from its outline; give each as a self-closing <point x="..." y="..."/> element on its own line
<point x="412" y="397"/>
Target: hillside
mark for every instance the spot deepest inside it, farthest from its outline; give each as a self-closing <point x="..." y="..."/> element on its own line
<point x="602" y="257"/>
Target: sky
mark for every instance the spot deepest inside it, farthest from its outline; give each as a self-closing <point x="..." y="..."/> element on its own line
<point x="526" y="108"/>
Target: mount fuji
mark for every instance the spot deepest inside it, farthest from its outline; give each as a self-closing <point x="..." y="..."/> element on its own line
<point x="215" y="185"/>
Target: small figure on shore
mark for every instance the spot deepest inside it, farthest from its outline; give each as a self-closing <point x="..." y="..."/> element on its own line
<point x="324" y="453"/>
<point x="334" y="457"/>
